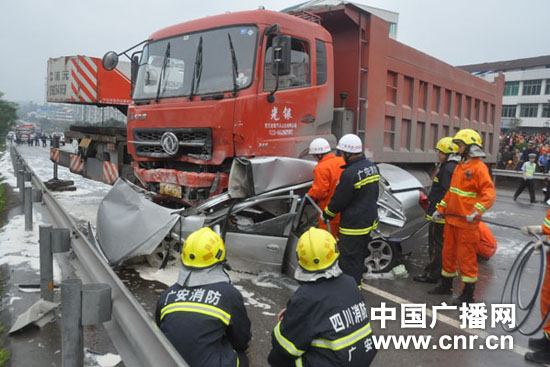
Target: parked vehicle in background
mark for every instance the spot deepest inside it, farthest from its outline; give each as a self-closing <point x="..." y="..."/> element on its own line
<point x="24" y="134"/>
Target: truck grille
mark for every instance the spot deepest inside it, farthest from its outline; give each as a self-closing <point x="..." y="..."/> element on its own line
<point x="193" y="142"/>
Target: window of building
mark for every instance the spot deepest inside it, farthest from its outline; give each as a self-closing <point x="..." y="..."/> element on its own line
<point x="546" y="110"/>
<point x="321" y="55"/>
<point x="531" y="87"/>
<point x="299" y="67"/>
<point x="509" y="110"/>
<point x="528" y="110"/>
<point x="393" y="28"/>
<point x="547" y="89"/>
<point x="511" y="88"/>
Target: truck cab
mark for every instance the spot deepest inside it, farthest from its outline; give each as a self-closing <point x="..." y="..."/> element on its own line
<point x="207" y="91"/>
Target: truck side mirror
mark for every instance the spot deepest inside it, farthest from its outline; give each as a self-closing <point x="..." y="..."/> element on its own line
<point x="281" y="55"/>
<point x="134" y="67"/>
<point x="110" y="60"/>
<point x="134" y="70"/>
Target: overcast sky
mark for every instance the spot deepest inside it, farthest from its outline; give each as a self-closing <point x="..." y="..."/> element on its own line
<point x="455" y="31"/>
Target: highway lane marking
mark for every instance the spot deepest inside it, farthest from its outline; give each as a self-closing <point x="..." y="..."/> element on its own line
<point x="440" y="317"/>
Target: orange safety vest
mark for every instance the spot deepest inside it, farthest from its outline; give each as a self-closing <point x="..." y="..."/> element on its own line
<point x="546" y="223"/>
<point x="326" y="175"/>
<point x="471" y="189"/>
<point x="487" y="243"/>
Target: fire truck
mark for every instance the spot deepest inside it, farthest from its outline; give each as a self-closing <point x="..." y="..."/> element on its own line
<point x="265" y="83"/>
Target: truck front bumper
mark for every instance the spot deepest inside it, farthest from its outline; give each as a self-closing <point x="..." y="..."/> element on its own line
<point x="217" y="182"/>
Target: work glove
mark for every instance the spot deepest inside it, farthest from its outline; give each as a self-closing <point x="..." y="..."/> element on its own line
<point x="437" y="216"/>
<point x="538" y="245"/>
<point x="470" y="217"/>
<point x="528" y="230"/>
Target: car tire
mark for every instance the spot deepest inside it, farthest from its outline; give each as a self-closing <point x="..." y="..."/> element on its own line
<point x="168" y="247"/>
<point x="381" y="256"/>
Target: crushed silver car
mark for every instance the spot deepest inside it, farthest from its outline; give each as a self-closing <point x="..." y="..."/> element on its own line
<point x="261" y="217"/>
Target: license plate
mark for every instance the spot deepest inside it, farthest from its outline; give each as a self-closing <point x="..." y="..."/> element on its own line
<point x="170" y="190"/>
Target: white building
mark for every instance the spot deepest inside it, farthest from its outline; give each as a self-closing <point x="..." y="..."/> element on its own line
<point x="526" y="92"/>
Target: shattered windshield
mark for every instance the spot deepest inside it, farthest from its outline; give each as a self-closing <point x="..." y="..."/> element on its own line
<point x="197" y="63"/>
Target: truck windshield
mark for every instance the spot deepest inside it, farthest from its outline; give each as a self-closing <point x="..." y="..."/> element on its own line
<point x="174" y="72"/>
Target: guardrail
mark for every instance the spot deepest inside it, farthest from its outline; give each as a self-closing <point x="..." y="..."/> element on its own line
<point x="134" y="334"/>
<point x="512" y="173"/>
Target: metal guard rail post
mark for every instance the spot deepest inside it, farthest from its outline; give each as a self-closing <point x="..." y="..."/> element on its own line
<point x="132" y="331"/>
<point x="518" y="174"/>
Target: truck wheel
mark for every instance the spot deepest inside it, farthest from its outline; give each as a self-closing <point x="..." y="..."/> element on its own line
<point x="381" y="256"/>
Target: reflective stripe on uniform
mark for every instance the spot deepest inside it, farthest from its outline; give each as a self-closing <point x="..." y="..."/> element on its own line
<point x="480" y="207"/>
<point x="299" y="362"/>
<point x="459" y="192"/>
<point x="198" y="308"/>
<point x="358" y="231"/>
<point x="442" y="203"/>
<point x="429" y="217"/>
<point x="547" y="223"/>
<point x="343" y="342"/>
<point x="285" y="343"/>
<point x="469" y="280"/>
<point x="436" y="179"/>
<point x="237" y="354"/>
<point x="366" y="181"/>
<point x="449" y="275"/>
<point x="329" y="212"/>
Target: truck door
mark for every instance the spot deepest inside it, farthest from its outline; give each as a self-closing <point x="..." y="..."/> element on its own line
<point x="286" y="125"/>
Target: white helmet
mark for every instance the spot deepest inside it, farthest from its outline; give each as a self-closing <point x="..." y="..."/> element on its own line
<point x="319" y="146"/>
<point x="350" y="143"/>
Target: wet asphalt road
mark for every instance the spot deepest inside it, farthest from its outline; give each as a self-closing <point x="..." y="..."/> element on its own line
<point x="263" y="303"/>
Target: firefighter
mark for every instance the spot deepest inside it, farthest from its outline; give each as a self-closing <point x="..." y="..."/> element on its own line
<point x="470" y="195"/>
<point x="325" y="323"/>
<point x="448" y="159"/>
<point x="541" y="346"/>
<point x="203" y="315"/>
<point x="355" y="198"/>
<point x="325" y="178"/>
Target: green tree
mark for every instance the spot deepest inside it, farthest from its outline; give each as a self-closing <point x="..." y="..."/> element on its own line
<point x="8" y="114"/>
<point x="515" y="123"/>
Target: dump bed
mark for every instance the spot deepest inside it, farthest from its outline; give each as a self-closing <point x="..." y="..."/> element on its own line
<point x="403" y="100"/>
<point x="82" y="79"/>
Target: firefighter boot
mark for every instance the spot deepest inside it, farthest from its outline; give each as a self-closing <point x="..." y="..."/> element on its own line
<point x="467" y="295"/>
<point x="539" y="344"/>
<point x="542" y="357"/>
<point x="444" y="287"/>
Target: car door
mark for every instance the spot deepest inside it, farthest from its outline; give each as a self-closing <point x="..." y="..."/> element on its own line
<point x="257" y="233"/>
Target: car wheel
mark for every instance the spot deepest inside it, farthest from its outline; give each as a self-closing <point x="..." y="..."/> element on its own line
<point x="381" y="256"/>
<point x="168" y="247"/>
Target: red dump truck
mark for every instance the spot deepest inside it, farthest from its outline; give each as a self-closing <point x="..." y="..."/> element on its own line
<point x="265" y="83"/>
